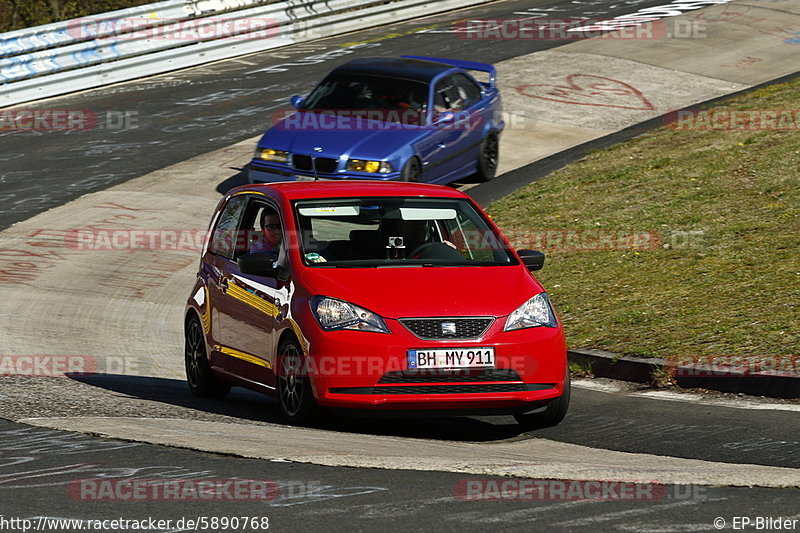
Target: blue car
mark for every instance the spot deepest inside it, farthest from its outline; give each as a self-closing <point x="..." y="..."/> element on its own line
<point x="410" y="118"/>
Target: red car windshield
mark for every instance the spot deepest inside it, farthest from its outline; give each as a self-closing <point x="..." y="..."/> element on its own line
<point x="391" y="231"/>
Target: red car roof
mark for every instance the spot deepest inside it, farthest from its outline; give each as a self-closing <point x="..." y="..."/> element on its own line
<point x="296" y="190"/>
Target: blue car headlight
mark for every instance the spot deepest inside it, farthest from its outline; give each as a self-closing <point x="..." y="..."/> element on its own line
<point x="269" y="154"/>
<point x="363" y="165"/>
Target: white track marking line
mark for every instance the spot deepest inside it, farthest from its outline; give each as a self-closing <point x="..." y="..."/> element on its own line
<point x="671" y="396"/>
<point x="689" y="397"/>
<point x="598" y="386"/>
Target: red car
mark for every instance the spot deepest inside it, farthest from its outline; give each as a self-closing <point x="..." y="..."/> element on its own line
<point x="377" y="296"/>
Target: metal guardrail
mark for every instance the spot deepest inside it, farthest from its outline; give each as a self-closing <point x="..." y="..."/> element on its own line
<point x="28" y="40"/>
<point x="122" y="45"/>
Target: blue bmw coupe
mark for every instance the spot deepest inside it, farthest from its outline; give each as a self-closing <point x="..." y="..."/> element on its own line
<point x="411" y="118"/>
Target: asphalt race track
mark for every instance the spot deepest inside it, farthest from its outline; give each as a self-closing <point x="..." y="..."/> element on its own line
<point x="703" y="459"/>
<point x="318" y="498"/>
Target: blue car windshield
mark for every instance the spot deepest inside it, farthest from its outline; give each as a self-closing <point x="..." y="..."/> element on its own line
<point x="360" y="92"/>
<point x="397" y="232"/>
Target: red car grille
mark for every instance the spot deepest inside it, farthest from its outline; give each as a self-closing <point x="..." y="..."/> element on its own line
<point x="445" y="389"/>
<point x="451" y="389"/>
<point x="442" y="328"/>
<point x="453" y="376"/>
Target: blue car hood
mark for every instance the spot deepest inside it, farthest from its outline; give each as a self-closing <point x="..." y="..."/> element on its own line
<point x="359" y="138"/>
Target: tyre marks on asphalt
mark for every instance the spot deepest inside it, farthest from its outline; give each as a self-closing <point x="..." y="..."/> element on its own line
<point x="34" y="458"/>
<point x="690" y="510"/>
<point x="39" y="465"/>
<point x="718" y="438"/>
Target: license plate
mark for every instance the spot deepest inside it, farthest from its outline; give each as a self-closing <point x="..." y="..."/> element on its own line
<point x="451" y="358"/>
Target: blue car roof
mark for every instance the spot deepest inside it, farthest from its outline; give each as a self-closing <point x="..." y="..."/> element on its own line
<point x="396" y="67"/>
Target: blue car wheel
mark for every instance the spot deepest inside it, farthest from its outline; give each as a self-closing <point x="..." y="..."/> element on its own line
<point x="488" y="158"/>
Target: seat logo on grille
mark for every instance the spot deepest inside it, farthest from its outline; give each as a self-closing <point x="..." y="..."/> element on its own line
<point x="318" y="149"/>
<point x="449" y="328"/>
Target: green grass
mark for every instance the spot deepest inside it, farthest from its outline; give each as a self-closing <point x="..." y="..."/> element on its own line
<point x="726" y="279"/>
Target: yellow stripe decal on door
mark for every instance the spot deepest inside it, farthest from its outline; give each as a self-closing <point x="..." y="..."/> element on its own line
<point x="243" y="356"/>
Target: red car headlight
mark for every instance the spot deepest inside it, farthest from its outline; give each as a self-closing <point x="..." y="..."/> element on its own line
<point x="333" y="314"/>
<point x="535" y="312"/>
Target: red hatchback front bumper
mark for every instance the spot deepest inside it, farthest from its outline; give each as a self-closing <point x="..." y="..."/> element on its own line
<point x="364" y="370"/>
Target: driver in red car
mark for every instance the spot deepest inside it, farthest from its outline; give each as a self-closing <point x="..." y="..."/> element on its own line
<point x="269" y="240"/>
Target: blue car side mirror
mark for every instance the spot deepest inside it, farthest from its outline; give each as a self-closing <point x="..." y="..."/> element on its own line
<point x="297" y="101"/>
